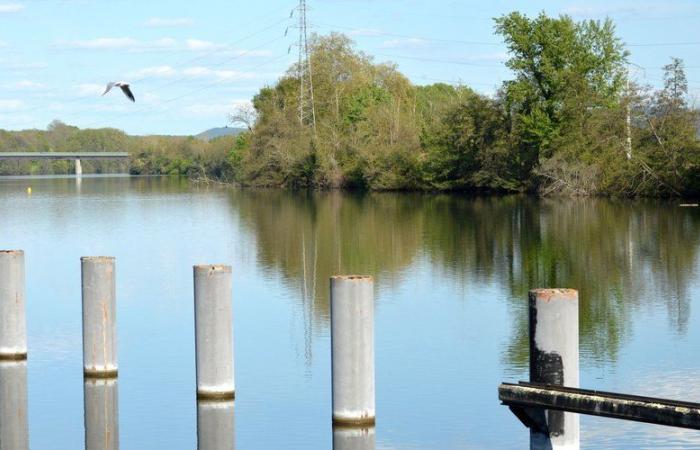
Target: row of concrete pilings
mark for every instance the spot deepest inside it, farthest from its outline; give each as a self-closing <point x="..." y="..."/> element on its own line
<point x="554" y="352"/>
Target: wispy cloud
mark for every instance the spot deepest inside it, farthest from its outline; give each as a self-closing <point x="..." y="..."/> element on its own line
<point x="7" y="8"/>
<point x="124" y="43"/>
<point x="130" y="44"/>
<point x="4" y="44"/>
<point x="365" y="32"/>
<point x="164" y="22"/>
<point x="11" y="105"/>
<point x="404" y="43"/>
<point x="25" y="85"/>
<point x="643" y="9"/>
<point x="223" y="75"/>
<point x="153" y="72"/>
<point x="89" y="89"/>
<point x="197" y="44"/>
<point x="214" y="109"/>
<point x="192" y="73"/>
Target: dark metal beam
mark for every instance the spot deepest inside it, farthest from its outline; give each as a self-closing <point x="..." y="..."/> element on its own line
<point x="526" y="396"/>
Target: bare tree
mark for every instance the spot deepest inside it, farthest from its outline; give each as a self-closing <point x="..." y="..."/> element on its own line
<point x="244" y="114"/>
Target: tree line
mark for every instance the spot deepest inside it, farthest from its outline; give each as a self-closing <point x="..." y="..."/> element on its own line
<point x="568" y="122"/>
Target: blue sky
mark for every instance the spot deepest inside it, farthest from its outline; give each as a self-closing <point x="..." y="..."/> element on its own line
<point x="191" y="63"/>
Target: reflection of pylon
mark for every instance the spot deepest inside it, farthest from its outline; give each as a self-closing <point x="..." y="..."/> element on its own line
<point x="307" y="112"/>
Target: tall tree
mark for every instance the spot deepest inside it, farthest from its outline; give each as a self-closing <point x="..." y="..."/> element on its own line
<point x="564" y="70"/>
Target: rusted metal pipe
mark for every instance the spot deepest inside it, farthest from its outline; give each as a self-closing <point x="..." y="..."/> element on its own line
<point x="101" y="414"/>
<point x="216" y="426"/>
<point x="99" y="317"/>
<point x="13" y="326"/>
<point x="213" y="332"/>
<point x="354" y="438"/>
<point x="553" y="316"/>
<point x="14" y="429"/>
<point x="352" y="349"/>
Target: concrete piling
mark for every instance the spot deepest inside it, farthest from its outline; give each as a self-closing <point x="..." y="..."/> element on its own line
<point x="14" y="429"/>
<point x="352" y="349"/>
<point x="101" y="413"/>
<point x="354" y="438"/>
<point x="13" y="327"/>
<point x="99" y="317"/>
<point x="216" y="426"/>
<point x="554" y="359"/>
<point x="213" y="332"/>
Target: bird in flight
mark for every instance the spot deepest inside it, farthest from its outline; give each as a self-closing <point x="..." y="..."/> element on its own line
<point x="124" y="86"/>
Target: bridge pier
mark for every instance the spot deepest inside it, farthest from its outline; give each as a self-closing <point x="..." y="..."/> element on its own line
<point x="78" y="168"/>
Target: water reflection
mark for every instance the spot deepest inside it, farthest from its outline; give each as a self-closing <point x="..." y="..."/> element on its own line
<point x="216" y="427"/>
<point x="14" y="429"/>
<point x="353" y="438"/>
<point x="621" y="256"/>
<point x="101" y="414"/>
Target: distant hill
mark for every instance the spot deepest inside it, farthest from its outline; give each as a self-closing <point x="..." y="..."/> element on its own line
<point x="214" y="133"/>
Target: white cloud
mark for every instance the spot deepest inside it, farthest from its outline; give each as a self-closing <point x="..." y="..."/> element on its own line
<point x="11" y="105"/>
<point x="230" y="75"/>
<point x="125" y="43"/>
<point x="25" y="84"/>
<point x="11" y="7"/>
<point x="648" y="9"/>
<point x="153" y="72"/>
<point x="89" y="89"/>
<point x="404" y="42"/>
<point x="163" y="22"/>
<point x="3" y="44"/>
<point x="365" y="32"/>
<point x="198" y="45"/>
<point x="214" y="109"/>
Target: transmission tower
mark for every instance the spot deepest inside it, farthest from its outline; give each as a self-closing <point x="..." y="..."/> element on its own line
<point x="307" y="112"/>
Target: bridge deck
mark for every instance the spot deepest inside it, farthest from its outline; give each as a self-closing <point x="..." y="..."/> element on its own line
<point x="62" y="155"/>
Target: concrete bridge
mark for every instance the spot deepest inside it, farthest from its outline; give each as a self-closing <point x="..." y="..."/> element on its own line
<point x="66" y="156"/>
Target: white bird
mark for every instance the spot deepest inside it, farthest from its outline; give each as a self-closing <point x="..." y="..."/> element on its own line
<point x="124" y="86"/>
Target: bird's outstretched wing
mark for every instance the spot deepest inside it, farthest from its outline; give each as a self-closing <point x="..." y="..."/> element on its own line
<point x="127" y="92"/>
<point x="109" y="87"/>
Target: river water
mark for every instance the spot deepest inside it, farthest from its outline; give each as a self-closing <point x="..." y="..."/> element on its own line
<point x="452" y="274"/>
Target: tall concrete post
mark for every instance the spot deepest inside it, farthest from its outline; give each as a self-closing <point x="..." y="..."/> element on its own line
<point x="78" y="168"/>
<point x="13" y="327"/>
<point x="216" y="426"/>
<point x="99" y="317"/>
<point x="553" y="315"/>
<point x="213" y="332"/>
<point x="354" y="438"/>
<point x="14" y="429"/>
<point x="352" y="349"/>
<point x="101" y="414"/>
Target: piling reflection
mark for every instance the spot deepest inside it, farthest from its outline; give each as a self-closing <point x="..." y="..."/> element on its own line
<point x="101" y="414"/>
<point x="216" y="426"/>
<point x="354" y="438"/>
<point x="620" y="255"/>
<point x="14" y="429"/>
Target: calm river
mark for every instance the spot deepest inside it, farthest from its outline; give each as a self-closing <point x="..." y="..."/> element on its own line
<point x="452" y="275"/>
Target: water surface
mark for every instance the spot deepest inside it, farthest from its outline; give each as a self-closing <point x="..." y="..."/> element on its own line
<point x="452" y="274"/>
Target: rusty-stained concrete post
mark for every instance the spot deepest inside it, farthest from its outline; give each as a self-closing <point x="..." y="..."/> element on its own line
<point x="353" y="438"/>
<point x="101" y="414"/>
<point x="99" y="317"/>
<point x="352" y="349"/>
<point x="216" y="426"/>
<point x="13" y="326"/>
<point x="553" y="315"/>
<point x="14" y="430"/>
<point x="213" y="324"/>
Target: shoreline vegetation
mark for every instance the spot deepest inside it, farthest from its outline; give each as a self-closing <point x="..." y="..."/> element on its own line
<point x="569" y="122"/>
